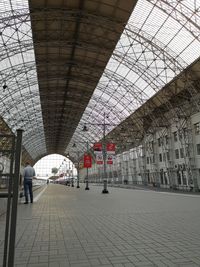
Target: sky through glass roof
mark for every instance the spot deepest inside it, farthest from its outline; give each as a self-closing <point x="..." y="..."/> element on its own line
<point x="160" y="40"/>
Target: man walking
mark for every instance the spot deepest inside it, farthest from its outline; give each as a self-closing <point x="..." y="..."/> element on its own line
<point x="28" y="175"/>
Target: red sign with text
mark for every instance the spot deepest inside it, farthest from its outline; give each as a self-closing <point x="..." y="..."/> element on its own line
<point x="110" y="147"/>
<point x="110" y="159"/>
<point x="99" y="159"/>
<point x="87" y="161"/>
<point x="97" y="148"/>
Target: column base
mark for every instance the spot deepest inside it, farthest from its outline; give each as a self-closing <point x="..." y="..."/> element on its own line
<point x="87" y="188"/>
<point x="105" y="191"/>
<point x="78" y="186"/>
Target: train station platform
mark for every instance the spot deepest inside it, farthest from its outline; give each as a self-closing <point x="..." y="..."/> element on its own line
<point x="66" y="226"/>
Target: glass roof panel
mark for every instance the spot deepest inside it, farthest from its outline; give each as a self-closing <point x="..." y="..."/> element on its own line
<point x="159" y="41"/>
<point x="175" y="23"/>
<point x="20" y="100"/>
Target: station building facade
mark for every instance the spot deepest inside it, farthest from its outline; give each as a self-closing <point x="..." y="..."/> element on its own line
<point x="168" y="155"/>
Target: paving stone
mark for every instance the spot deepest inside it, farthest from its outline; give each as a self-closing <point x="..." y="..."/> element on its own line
<point x="125" y="228"/>
<point x="38" y="265"/>
<point x="144" y="264"/>
<point x="94" y="262"/>
<point x="118" y="260"/>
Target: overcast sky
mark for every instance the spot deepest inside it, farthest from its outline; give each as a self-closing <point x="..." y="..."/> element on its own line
<point x="44" y="166"/>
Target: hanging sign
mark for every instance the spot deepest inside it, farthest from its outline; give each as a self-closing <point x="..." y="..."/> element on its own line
<point x="87" y="161"/>
<point x="110" y="147"/>
<point x="99" y="158"/>
<point x="97" y="147"/>
<point x="110" y="158"/>
<point x="98" y="151"/>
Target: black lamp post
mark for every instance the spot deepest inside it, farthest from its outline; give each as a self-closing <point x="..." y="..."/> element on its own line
<point x="78" y="165"/>
<point x="78" y="174"/>
<point x="87" y="178"/>
<point x="78" y="160"/>
<point x="85" y="129"/>
<point x="104" y="124"/>
<point x="72" y="176"/>
<point x="70" y="171"/>
<point x="105" y="190"/>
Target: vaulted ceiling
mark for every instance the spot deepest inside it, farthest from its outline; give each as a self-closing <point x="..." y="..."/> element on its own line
<point x="73" y="41"/>
<point x="66" y="64"/>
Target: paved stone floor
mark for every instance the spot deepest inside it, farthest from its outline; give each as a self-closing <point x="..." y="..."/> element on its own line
<point x="72" y="227"/>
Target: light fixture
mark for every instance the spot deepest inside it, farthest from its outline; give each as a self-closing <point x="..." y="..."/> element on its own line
<point x="85" y="129"/>
<point x="67" y="155"/>
<point x="123" y="130"/>
<point x="4" y="87"/>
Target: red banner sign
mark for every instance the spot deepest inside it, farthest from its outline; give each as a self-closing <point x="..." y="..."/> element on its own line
<point x="97" y="148"/>
<point x="110" y="147"/>
<point x="110" y="159"/>
<point x="87" y="161"/>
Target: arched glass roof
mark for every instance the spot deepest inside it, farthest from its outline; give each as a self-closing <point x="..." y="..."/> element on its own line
<point x="19" y="99"/>
<point x="159" y="41"/>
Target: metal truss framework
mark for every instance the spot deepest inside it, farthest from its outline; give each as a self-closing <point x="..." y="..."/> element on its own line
<point x="153" y="73"/>
<point x="141" y="65"/>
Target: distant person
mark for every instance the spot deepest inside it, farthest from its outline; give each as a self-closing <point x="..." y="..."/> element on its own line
<point x="28" y="175"/>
